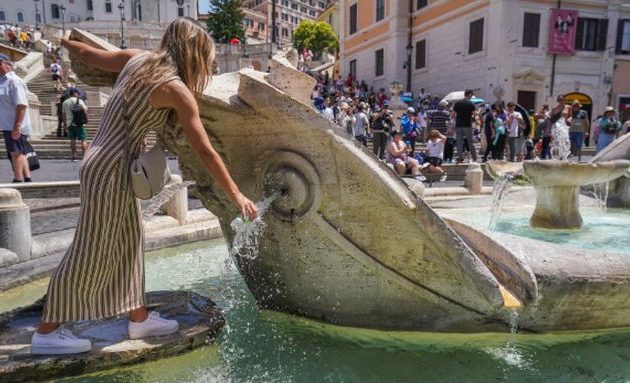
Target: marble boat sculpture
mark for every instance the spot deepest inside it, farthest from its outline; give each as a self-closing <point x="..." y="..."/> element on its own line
<point x="348" y="242"/>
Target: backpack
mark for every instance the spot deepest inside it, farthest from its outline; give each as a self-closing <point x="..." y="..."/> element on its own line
<point x="79" y="117"/>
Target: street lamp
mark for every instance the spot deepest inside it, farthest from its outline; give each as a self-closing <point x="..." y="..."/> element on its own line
<point x="121" y="8"/>
<point x="409" y="50"/>
<point x="62" y="8"/>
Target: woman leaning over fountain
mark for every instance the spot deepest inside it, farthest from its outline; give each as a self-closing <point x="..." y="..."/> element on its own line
<point x="102" y="274"/>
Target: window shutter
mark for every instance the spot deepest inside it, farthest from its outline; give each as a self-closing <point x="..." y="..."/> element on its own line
<point x="579" y="36"/>
<point x="602" y="34"/>
<point x="618" y="50"/>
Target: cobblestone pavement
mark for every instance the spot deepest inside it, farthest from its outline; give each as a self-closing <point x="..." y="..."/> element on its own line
<point x="57" y="170"/>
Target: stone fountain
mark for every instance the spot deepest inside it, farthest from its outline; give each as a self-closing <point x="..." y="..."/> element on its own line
<point x="348" y="242"/>
<point x="557" y="185"/>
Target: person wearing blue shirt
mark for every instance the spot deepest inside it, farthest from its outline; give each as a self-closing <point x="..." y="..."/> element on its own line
<point x="410" y="128"/>
<point x="15" y="123"/>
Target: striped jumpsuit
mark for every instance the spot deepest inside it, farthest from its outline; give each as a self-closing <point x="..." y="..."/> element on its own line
<point x="102" y="273"/>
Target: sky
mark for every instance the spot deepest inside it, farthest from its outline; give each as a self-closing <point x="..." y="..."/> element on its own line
<point x="203" y="6"/>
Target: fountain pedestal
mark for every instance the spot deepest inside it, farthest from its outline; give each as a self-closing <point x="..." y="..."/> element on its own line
<point x="557" y="207"/>
<point x="557" y="185"/>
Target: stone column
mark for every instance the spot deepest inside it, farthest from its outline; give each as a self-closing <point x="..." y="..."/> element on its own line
<point x="473" y="179"/>
<point x="15" y="224"/>
<point x="177" y="206"/>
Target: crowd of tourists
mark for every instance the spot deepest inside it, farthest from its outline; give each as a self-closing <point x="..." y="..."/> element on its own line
<point x="456" y="131"/>
<point x="17" y="36"/>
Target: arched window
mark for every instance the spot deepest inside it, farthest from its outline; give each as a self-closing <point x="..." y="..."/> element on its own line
<point x="2" y="16"/>
<point x="20" y="17"/>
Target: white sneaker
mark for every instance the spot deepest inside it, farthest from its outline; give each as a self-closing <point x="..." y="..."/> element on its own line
<point x="443" y="177"/>
<point x="420" y="178"/>
<point x="154" y="325"/>
<point x="61" y="341"/>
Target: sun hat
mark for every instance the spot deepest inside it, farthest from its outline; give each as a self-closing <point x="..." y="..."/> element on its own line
<point x="609" y="109"/>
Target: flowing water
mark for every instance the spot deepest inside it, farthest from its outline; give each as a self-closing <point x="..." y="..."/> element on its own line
<point x="501" y="185"/>
<point x="561" y="142"/>
<point x="263" y="346"/>
<point x="247" y="233"/>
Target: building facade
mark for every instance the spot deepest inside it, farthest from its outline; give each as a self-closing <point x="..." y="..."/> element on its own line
<point x="289" y="13"/>
<point x="496" y="47"/>
<point x="51" y="11"/>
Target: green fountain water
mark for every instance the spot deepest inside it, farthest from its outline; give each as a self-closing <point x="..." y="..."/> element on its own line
<point x="261" y="346"/>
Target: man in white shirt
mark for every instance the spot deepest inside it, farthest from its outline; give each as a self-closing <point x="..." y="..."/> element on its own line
<point x="514" y="126"/>
<point x="361" y="124"/>
<point x="15" y="123"/>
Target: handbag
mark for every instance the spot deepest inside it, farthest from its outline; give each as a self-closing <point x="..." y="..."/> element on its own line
<point x="31" y="156"/>
<point x="149" y="171"/>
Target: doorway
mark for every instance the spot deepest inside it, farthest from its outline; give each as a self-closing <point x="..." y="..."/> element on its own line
<point x="526" y="99"/>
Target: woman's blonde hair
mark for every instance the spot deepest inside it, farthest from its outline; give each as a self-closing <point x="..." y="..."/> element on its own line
<point x="186" y="51"/>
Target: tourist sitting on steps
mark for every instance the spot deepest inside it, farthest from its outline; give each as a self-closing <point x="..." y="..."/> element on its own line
<point x="398" y="155"/>
<point x="435" y="152"/>
<point x="102" y="274"/>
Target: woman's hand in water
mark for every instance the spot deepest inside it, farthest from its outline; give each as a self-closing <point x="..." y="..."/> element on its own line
<point x="248" y="208"/>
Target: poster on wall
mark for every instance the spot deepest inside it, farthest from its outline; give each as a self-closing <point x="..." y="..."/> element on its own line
<point x="562" y="31"/>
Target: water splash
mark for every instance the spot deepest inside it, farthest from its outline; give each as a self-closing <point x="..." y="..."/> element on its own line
<point x="163" y="197"/>
<point x="501" y="184"/>
<point x="247" y="233"/>
<point x="600" y="194"/>
<point x="562" y="143"/>
<point x="510" y="353"/>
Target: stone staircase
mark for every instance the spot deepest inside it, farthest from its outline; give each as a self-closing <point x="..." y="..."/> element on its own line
<point x="50" y="146"/>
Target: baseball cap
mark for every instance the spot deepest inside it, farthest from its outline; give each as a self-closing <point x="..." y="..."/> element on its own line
<point x="411" y="110"/>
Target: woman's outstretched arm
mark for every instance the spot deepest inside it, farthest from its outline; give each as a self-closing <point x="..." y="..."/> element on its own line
<point x="110" y="61"/>
<point x="175" y="95"/>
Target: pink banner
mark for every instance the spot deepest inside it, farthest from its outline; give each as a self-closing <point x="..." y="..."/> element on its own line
<point x="562" y="31"/>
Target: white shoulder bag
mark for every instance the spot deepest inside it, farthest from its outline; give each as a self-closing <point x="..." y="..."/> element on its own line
<point x="149" y="171"/>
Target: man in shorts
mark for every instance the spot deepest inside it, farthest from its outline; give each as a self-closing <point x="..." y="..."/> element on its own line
<point x="76" y="129"/>
<point x="15" y="123"/>
<point x="55" y="71"/>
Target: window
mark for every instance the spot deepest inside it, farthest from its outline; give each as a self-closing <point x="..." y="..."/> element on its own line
<point x="285" y="32"/>
<point x="2" y="16"/>
<point x="180" y="11"/>
<point x="623" y="37"/>
<point x="379" y="62"/>
<point x="353" y="68"/>
<point x="531" y="30"/>
<point x="20" y="17"/>
<point x="475" y="39"/>
<point x="90" y="6"/>
<point x="38" y="18"/>
<point x="54" y="11"/>
<point x="421" y="54"/>
<point x="108" y="7"/>
<point x="591" y="34"/>
<point x="353" y="18"/>
<point x="380" y="10"/>
<point x="421" y="4"/>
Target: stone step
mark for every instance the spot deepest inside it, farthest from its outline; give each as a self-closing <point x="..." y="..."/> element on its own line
<point x="199" y="320"/>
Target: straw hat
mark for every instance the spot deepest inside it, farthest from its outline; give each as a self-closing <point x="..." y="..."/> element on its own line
<point x="576" y="102"/>
<point x="609" y="109"/>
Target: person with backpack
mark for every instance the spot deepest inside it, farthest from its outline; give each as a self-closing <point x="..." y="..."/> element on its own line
<point x="609" y="127"/>
<point x="75" y="118"/>
<point x="55" y="71"/>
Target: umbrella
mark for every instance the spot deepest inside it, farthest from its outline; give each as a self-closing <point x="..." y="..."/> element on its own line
<point x="454" y="96"/>
<point x="459" y="95"/>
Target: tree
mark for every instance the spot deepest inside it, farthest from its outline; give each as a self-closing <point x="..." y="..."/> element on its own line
<point x="319" y="37"/>
<point x="226" y="21"/>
